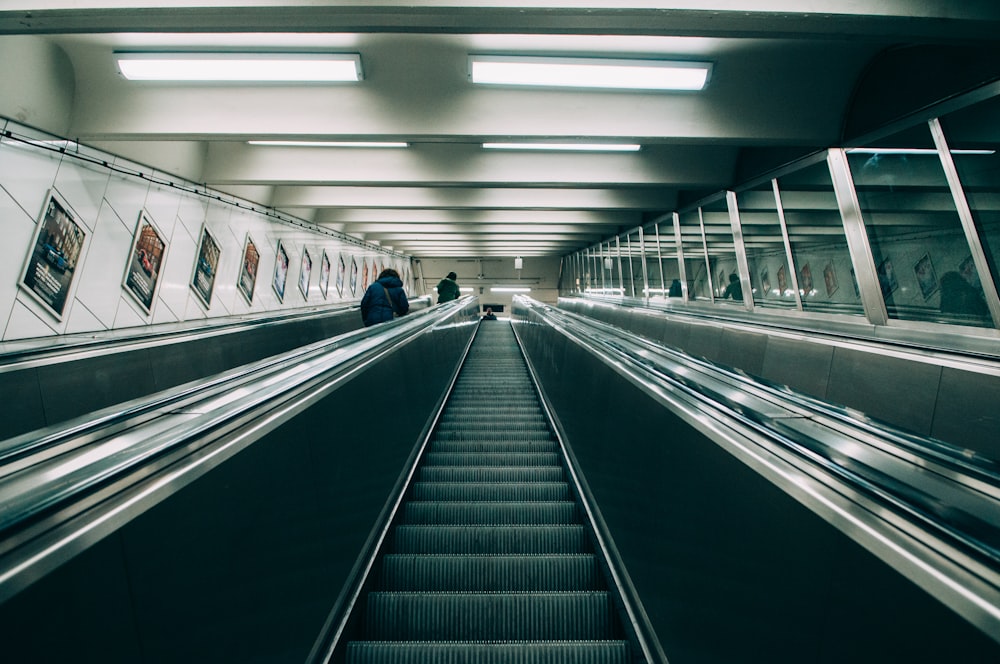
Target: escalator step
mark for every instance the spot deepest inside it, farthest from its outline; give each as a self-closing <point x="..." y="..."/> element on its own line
<point x="556" y="616"/>
<point x="491" y="474"/>
<point x="492" y="540"/>
<point x="494" y="436"/>
<point x="550" y="652"/>
<point x="492" y="459"/>
<point x="576" y="572"/>
<point x="493" y="491"/>
<point x="490" y="513"/>
<point x="482" y="446"/>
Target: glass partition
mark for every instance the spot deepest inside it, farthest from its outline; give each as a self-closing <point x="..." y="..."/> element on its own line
<point x="721" y="252"/>
<point x="821" y="274"/>
<point x="916" y="234"/>
<point x="695" y="260"/>
<point x="632" y="264"/>
<point x="764" y="238"/>
<point x="973" y="136"/>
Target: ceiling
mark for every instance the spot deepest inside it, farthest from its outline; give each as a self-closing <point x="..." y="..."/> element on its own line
<point x="785" y="77"/>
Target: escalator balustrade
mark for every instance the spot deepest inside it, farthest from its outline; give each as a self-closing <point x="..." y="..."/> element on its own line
<point x="490" y="562"/>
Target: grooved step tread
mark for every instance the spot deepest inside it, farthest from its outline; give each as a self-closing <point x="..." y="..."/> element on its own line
<point x="520" y="616"/>
<point x="491" y="474"/>
<point x="491" y="491"/>
<point x="467" y="652"/>
<point x="565" y="538"/>
<point x="490" y="513"/>
<point x="436" y="572"/>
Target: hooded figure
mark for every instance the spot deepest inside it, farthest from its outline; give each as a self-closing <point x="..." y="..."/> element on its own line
<point x="384" y="299"/>
<point x="447" y="288"/>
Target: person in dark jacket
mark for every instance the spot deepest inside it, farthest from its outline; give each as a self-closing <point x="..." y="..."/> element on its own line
<point x="447" y="288"/>
<point x="384" y="298"/>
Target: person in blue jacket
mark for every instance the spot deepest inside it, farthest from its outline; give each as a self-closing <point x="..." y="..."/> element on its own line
<point x="384" y="299"/>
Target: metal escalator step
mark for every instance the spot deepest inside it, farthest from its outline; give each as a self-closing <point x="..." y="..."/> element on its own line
<point x="491" y="474"/>
<point x="491" y="491"/>
<point x="485" y="446"/>
<point x="492" y="459"/>
<point x="482" y="436"/>
<point x="484" y="421"/>
<point x="457" y="652"/>
<point x="573" y="572"/>
<point x="492" y="540"/>
<point x="530" y="616"/>
<point x="490" y="513"/>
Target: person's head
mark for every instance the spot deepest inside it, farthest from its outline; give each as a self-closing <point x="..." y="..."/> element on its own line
<point x="452" y="276"/>
<point x="733" y="278"/>
<point x="489" y="310"/>
<point x="388" y="272"/>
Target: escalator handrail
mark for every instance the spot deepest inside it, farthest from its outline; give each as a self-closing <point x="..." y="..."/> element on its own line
<point x="49" y="489"/>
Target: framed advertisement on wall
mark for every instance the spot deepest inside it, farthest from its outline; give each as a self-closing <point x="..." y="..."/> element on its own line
<point x="280" y="271"/>
<point x="142" y="272"/>
<point x="305" y="273"/>
<point x="341" y="270"/>
<point x="51" y="266"/>
<point x="248" y="269"/>
<point x="324" y="274"/>
<point x="203" y="279"/>
<point x="354" y="276"/>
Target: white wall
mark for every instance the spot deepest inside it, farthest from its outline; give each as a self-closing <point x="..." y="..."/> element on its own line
<point x="106" y="203"/>
<point x="540" y="274"/>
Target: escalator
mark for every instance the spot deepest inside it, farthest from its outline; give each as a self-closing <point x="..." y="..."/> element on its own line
<point x="490" y="560"/>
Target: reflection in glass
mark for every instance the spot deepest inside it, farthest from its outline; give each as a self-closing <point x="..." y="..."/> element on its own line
<point x="821" y="268"/>
<point x="916" y="235"/>
<point x="695" y="262"/>
<point x="765" y="247"/>
<point x="722" y="252"/>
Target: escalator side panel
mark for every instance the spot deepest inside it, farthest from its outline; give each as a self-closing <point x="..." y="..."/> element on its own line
<point x="727" y="566"/>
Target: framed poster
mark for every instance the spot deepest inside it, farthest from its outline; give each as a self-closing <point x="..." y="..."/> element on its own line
<point x="203" y="280"/>
<point x="280" y="271"/>
<point x="364" y="274"/>
<point x="248" y="269"/>
<point x="142" y="273"/>
<point x="887" y="277"/>
<point x="324" y="274"/>
<point x="305" y="272"/>
<point x="341" y="270"/>
<point x="926" y="276"/>
<point x="830" y="279"/>
<point x="765" y="281"/>
<point x="806" y="280"/>
<point x="50" y="269"/>
<point x="354" y="276"/>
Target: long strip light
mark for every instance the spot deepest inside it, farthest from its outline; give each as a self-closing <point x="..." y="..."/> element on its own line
<point x="510" y="289"/>
<point x="912" y="151"/>
<point x="253" y="67"/>
<point x="589" y="72"/>
<point x="331" y="144"/>
<point x="581" y="147"/>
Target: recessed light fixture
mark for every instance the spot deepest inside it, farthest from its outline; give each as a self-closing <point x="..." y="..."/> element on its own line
<point x="249" y="67"/>
<point x="331" y="144"/>
<point x="580" y="147"/>
<point x="589" y="72"/>
<point x="510" y="289"/>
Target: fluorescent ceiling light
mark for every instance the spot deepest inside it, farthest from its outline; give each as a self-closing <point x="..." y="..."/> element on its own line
<point x="589" y="72"/>
<point x="332" y="144"/>
<point x="913" y="151"/>
<point x="259" y="67"/>
<point x="509" y="289"/>
<point x="583" y="147"/>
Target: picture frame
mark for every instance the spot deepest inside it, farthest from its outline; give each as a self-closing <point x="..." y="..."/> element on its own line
<point x="248" y="269"/>
<point x="50" y="268"/>
<point x="830" y="279"/>
<point x="205" y="267"/>
<point x="305" y="272"/>
<point x="280" y="278"/>
<point x="142" y="271"/>
<point x="364" y="275"/>
<point x="887" y="277"/>
<point x="354" y="276"/>
<point x="926" y="276"/>
<point x="765" y="281"/>
<point x="341" y="271"/>
<point x="324" y="274"/>
<point x="806" y="280"/>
